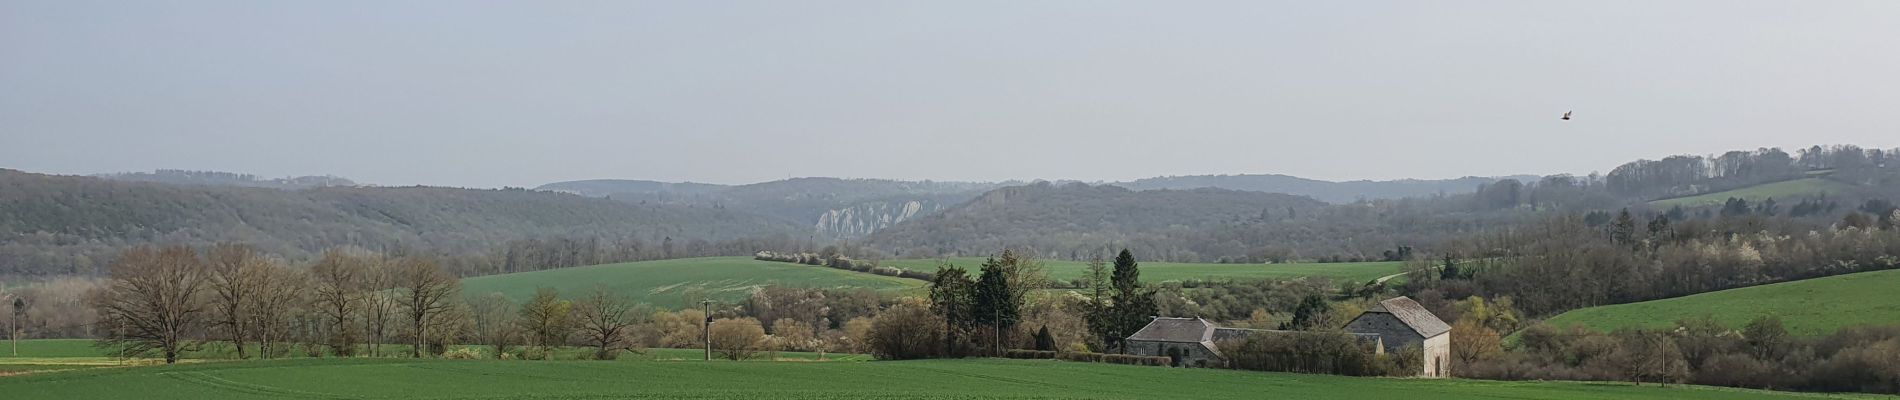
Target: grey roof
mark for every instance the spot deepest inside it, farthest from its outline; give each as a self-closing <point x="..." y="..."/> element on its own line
<point x="1184" y="330"/>
<point x="1413" y="315"/>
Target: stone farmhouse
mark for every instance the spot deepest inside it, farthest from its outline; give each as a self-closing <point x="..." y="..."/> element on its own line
<point x="1392" y="325"/>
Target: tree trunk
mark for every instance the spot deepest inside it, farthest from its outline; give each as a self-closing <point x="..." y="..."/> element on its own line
<point x="237" y="338"/>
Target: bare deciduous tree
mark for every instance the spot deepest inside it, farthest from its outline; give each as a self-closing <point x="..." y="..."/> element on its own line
<point x="545" y="319"/>
<point x="235" y="274"/>
<point x="495" y="322"/>
<point x="605" y="320"/>
<point x="426" y="290"/>
<point x="153" y="301"/>
<point x="339" y="295"/>
<point x="379" y="301"/>
<point x="281" y="293"/>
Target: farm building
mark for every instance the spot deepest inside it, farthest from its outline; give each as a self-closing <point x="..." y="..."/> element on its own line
<point x="1390" y="326"/>
<point x="1402" y="322"/>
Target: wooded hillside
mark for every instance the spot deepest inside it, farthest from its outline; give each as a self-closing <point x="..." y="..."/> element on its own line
<point x="73" y="225"/>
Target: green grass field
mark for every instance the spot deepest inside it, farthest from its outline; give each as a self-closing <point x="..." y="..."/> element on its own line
<point x="926" y="379"/>
<point x="1807" y="307"/>
<point x="664" y="283"/>
<point x="1784" y="191"/>
<point x="1166" y="271"/>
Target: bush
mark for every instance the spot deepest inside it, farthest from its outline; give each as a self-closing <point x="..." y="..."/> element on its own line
<point x="736" y="338"/>
<point x="1334" y="353"/>
<point x="1158" y="361"/>
<point x="1110" y="358"/>
<point x="1082" y="356"/>
<point x="1030" y="354"/>
<point x="906" y="331"/>
<point x="1736" y="370"/>
<point x="918" y="275"/>
<point x="1872" y="368"/>
<point x="463" y="353"/>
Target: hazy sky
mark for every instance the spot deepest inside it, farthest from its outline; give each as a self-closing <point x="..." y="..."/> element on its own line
<point x="468" y="93"/>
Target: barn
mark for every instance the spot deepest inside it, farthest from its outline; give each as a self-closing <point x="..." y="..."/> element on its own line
<point x="1402" y="322"/>
<point x="1392" y="325"/>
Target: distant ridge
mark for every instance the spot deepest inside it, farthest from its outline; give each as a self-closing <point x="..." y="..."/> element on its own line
<point x="1328" y="191"/>
<point x="215" y="178"/>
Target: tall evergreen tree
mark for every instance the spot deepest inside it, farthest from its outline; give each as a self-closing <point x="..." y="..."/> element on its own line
<point x="1623" y="231"/>
<point x="1132" y="306"/>
<point x="950" y="297"/>
<point x="996" y="302"/>
<point x="1098" y="313"/>
<point x="1311" y="313"/>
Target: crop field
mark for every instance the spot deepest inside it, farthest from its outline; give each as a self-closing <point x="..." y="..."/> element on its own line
<point x="668" y="283"/>
<point x="1807" y="307"/>
<point x="1785" y="191"/>
<point x="1166" y="271"/>
<point x="925" y="379"/>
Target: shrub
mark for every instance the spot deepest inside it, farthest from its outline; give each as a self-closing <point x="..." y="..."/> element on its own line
<point x="736" y="338"/>
<point x="1137" y="360"/>
<point x="463" y="353"/>
<point x="1871" y="368"/>
<point x="906" y="331"/>
<point x="1736" y="370"/>
<point x="1109" y="358"/>
<point x="1308" y="352"/>
<point x="1082" y="356"/>
<point x="919" y="275"/>
<point x="1030" y="354"/>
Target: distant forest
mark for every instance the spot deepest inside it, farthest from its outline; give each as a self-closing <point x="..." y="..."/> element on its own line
<point x="69" y="225"/>
<point x="1079" y="221"/>
<point x="60" y="225"/>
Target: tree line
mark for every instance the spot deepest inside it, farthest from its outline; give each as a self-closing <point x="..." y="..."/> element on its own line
<point x="1760" y="354"/>
<point x="1570" y="262"/>
<point x="170" y="302"/>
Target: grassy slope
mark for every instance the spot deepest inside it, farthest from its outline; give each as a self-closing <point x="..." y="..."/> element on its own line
<point x="1807" y="307"/>
<point x="1784" y="190"/>
<point x="1164" y="271"/>
<point x="929" y="379"/>
<point x="661" y="283"/>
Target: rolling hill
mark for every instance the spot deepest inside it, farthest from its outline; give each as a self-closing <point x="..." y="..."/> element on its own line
<point x="668" y="283"/>
<point x="1329" y="191"/>
<point x="1807" y="307"/>
<point x="1074" y="221"/>
<point x="833" y="207"/>
<point x="1785" y="191"/>
<point x="628" y="187"/>
<point x="51" y="224"/>
<point x="1154" y="272"/>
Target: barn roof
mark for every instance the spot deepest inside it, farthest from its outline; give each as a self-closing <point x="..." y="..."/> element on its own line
<point x="1184" y="330"/>
<point x="1413" y="315"/>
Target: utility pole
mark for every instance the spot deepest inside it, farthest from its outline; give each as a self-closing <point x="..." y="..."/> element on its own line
<point x="13" y="330"/>
<point x="705" y="328"/>
<point x="997" y="312"/>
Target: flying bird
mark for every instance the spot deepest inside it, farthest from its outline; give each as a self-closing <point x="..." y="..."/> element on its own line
<point x="1566" y="115"/>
